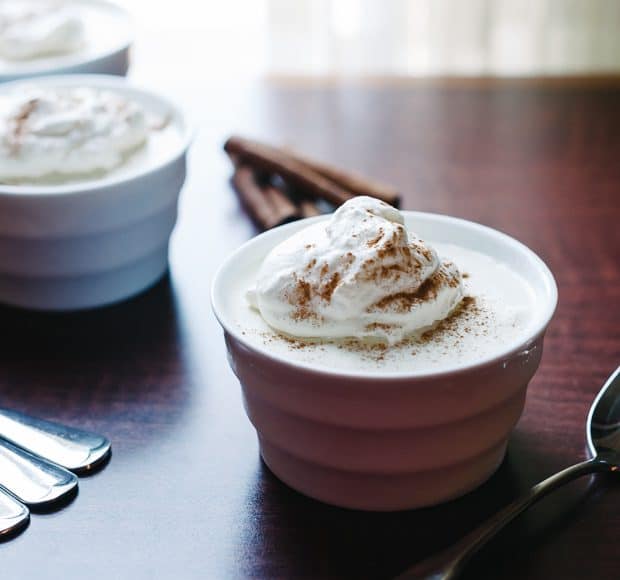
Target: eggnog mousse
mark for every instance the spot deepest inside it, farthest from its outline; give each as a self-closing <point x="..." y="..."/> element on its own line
<point x="62" y="134"/>
<point x="33" y="29"/>
<point x="362" y="292"/>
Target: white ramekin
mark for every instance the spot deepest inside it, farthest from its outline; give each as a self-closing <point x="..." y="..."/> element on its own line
<point x="393" y="440"/>
<point x="112" y="59"/>
<point x="67" y="247"/>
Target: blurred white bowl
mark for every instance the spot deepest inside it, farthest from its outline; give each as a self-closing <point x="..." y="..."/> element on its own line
<point x="108" y="34"/>
<point x="93" y="242"/>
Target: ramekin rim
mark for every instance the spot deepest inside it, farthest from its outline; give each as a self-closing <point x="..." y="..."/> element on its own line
<point x="104" y="81"/>
<point x="508" y="352"/>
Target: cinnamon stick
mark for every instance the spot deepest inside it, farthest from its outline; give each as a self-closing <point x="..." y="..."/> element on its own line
<point x="267" y="205"/>
<point x="268" y="159"/>
<point x="307" y="208"/>
<point x="351" y="181"/>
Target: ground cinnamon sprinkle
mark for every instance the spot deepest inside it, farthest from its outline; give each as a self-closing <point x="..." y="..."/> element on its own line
<point x="14" y="138"/>
<point x="374" y="269"/>
<point x="466" y="309"/>
<point x="378" y="326"/>
<point x="374" y="241"/>
<point x="374" y="351"/>
<point x="295" y="343"/>
<point x="328" y="289"/>
<point x="300" y="298"/>
<point x="452" y="327"/>
<point x="404" y="301"/>
<point x="469" y="317"/>
<point x="390" y="247"/>
<point x="304" y="292"/>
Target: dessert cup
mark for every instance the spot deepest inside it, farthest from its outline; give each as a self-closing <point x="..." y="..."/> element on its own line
<point x="109" y="34"/>
<point x="388" y="440"/>
<point x="89" y="243"/>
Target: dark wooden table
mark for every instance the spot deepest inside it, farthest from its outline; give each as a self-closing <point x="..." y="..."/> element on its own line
<point x="186" y="495"/>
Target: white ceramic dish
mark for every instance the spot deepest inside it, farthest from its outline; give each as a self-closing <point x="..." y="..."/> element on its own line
<point x="100" y="240"/>
<point x="387" y="440"/>
<point x="109" y="35"/>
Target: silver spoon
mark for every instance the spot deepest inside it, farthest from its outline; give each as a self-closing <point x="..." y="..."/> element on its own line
<point x="603" y="436"/>
<point x="74" y="449"/>
<point x="13" y="514"/>
<point x="32" y="479"/>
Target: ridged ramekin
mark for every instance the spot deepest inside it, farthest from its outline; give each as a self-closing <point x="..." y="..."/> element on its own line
<point x="393" y="440"/>
<point x="81" y="245"/>
<point x="112" y="59"/>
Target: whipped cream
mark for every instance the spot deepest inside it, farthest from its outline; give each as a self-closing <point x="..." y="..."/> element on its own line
<point x="39" y="28"/>
<point x="67" y="131"/>
<point x="360" y="275"/>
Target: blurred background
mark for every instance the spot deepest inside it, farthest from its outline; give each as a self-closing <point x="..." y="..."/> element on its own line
<point x="252" y="38"/>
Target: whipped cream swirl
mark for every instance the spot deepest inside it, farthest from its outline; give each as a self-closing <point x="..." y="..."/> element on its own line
<point x="35" y="29"/>
<point x="66" y="131"/>
<point x="360" y="275"/>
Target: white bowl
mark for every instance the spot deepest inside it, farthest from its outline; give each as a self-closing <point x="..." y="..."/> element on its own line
<point x="386" y="440"/>
<point x="108" y="33"/>
<point x="98" y="241"/>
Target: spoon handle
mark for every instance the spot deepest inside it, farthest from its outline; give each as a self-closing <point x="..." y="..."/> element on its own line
<point x="13" y="514"/>
<point x="74" y="449"/>
<point x="449" y="563"/>
<point x="32" y="479"/>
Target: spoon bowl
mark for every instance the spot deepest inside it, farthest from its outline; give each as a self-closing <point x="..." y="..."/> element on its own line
<point x="603" y="425"/>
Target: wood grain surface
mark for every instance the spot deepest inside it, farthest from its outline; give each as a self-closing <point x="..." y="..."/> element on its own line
<point x="186" y="495"/>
